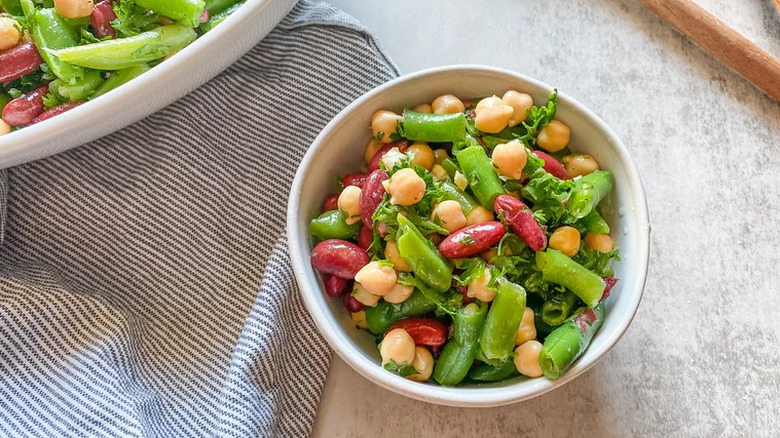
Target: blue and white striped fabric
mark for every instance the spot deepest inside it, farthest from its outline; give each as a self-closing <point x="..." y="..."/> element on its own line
<point x="145" y="286"/>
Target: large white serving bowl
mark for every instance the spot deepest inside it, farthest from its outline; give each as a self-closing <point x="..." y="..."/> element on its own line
<point x="339" y="149"/>
<point x="165" y="83"/>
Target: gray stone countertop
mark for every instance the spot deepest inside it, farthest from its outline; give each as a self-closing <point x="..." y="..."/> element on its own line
<point x="702" y="357"/>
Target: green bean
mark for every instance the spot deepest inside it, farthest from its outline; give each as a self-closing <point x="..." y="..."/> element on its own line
<point x="450" y="167"/>
<point x="50" y="32"/>
<point x="566" y="343"/>
<point x="217" y="6"/>
<point x="493" y="373"/>
<point x="503" y="319"/>
<point x="449" y="191"/>
<point x="217" y="18"/>
<point x="120" y="77"/>
<point x="425" y="260"/>
<point x="535" y="302"/>
<point x="558" y="308"/>
<point x="79" y="90"/>
<point x="380" y="317"/>
<point x="331" y="225"/>
<point x="594" y="223"/>
<point x="459" y="352"/>
<point x="186" y="11"/>
<point x="127" y="52"/>
<point x="437" y="128"/>
<point x="13" y="7"/>
<point x="482" y="177"/>
<point x="559" y="269"/>
<point x="588" y="191"/>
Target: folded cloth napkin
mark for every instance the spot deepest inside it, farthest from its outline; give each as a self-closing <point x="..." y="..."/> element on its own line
<point x="145" y="283"/>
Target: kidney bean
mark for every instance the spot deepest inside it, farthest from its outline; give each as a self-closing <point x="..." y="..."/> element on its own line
<point x="101" y="18"/>
<point x="472" y="240"/>
<point x="352" y="304"/>
<point x="331" y="203"/>
<point x="339" y="257"/>
<point x="521" y="221"/>
<point x="25" y="109"/>
<point x="57" y="110"/>
<point x="424" y="331"/>
<point x="204" y="16"/>
<point x="334" y="286"/>
<point x="371" y="196"/>
<point x="552" y="166"/>
<point x="365" y="237"/>
<point x="18" y="61"/>
<point x="402" y="145"/>
<point x="354" y="179"/>
<point x="610" y="283"/>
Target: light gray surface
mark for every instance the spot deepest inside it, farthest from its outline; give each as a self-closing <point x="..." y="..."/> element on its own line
<point x="702" y="357"/>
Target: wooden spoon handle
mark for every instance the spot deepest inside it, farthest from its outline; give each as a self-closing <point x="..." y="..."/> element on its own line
<point x="722" y="41"/>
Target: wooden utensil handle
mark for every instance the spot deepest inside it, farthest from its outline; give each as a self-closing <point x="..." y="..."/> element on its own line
<point x="722" y="41"/>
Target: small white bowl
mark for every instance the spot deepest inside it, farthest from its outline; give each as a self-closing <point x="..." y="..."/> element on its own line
<point x="339" y="149"/>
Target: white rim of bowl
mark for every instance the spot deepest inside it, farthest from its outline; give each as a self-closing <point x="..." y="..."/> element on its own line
<point x="454" y="396"/>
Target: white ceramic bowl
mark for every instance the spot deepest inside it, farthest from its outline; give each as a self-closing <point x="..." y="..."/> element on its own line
<point x="190" y="68"/>
<point x="339" y="150"/>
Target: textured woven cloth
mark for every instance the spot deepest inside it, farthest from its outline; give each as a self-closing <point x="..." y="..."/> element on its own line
<point x="145" y="285"/>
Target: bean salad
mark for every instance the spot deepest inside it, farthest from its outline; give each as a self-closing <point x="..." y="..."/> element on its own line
<point x="472" y="247"/>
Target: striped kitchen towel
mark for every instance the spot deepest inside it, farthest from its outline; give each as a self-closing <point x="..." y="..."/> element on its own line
<point x="145" y="282"/>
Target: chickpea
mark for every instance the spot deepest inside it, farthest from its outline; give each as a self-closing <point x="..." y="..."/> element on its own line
<point x="363" y="296"/>
<point x="422" y="155"/>
<point x="424" y="108"/>
<point x="406" y="187"/>
<point x="423" y="363"/>
<point x="399" y="294"/>
<point x="377" y="278"/>
<point x="509" y="159"/>
<point x="373" y="147"/>
<point x="527" y="330"/>
<point x="553" y="137"/>
<point x="460" y="180"/>
<point x="599" y="242"/>
<point x="438" y="172"/>
<point x="397" y="346"/>
<point x="10" y="32"/>
<point x="359" y="318"/>
<point x="527" y="359"/>
<point x="579" y="165"/>
<point x="392" y="254"/>
<point x="565" y="240"/>
<point x="5" y="128"/>
<point x="478" y="288"/>
<point x="449" y="215"/>
<point x="447" y="104"/>
<point x="440" y="155"/>
<point x="349" y="204"/>
<point x="392" y="157"/>
<point x="492" y="115"/>
<point x="489" y="254"/>
<point x="520" y="103"/>
<point x="479" y="215"/>
<point x="384" y="123"/>
<point x="74" y="8"/>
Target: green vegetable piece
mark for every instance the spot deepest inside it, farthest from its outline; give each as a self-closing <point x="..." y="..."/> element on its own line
<point x="588" y="191"/>
<point x="434" y="127"/>
<point x="482" y="177"/>
<point x="559" y="269"/>
<point x="120" y="77"/>
<point x="50" y="32"/>
<point x="449" y="191"/>
<point x="218" y="6"/>
<point x="4" y="101"/>
<point x="493" y="373"/>
<point x="459" y="352"/>
<point x="217" y="18"/>
<point x="80" y="90"/>
<point x="186" y="11"/>
<point x="126" y="52"/>
<point x="13" y="7"/>
<point x="427" y="263"/>
<point x="450" y="167"/>
<point x="503" y="319"/>
<point x="331" y="225"/>
<point x="594" y="223"/>
<point x="380" y="317"/>
<point x="558" y="308"/>
<point x="566" y="343"/>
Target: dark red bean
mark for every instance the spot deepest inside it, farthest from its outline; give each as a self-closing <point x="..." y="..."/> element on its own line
<point x="334" y="286"/>
<point x="23" y="110"/>
<point x="371" y="196"/>
<point x="18" y="61"/>
<point x="424" y="331"/>
<point x="402" y="145"/>
<point x="610" y="283"/>
<point x="472" y="240"/>
<point x="354" y="179"/>
<point x="521" y="221"/>
<point x="365" y="237"/>
<point x="339" y="257"/>
<point x="101" y="18"/>
<point x="331" y="203"/>
<point x="352" y="304"/>
<point x="57" y="110"/>
<point x="204" y="16"/>
<point x="552" y="166"/>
